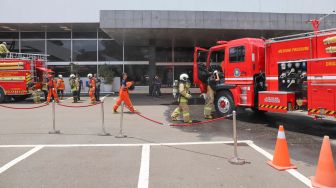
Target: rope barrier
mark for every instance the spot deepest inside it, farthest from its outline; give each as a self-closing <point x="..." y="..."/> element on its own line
<point x="23" y="108"/>
<point x="78" y="106"/>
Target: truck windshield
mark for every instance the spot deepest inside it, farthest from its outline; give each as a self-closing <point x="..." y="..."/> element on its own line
<point x="216" y="59"/>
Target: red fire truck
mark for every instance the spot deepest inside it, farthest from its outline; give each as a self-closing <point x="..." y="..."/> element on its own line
<point x="289" y="73"/>
<point x="19" y="73"/>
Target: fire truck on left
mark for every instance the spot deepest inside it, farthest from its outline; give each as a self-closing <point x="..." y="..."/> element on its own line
<point x="20" y="73"/>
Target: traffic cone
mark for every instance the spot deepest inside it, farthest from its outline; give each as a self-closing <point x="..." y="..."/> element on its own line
<point x="325" y="176"/>
<point x="281" y="159"/>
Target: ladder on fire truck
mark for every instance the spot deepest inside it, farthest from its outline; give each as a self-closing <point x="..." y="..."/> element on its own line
<point x="31" y="57"/>
<point x="26" y="56"/>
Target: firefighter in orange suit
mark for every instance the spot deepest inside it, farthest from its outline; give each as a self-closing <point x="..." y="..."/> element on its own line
<point x="92" y="87"/>
<point x="124" y="95"/>
<point x="52" y="85"/>
<point x="60" y="86"/>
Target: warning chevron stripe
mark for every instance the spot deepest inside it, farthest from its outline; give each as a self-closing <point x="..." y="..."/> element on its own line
<point x="273" y="106"/>
<point x="327" y="112"/>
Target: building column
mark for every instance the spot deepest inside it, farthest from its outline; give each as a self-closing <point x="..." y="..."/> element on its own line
<point x="152" y="64"/>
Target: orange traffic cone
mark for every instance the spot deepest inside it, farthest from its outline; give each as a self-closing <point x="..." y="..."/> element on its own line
<point x="281" y="159"/>
<point x="325" y="176"/>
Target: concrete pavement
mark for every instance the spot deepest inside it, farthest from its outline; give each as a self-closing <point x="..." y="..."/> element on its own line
<point x="92" y="163"/>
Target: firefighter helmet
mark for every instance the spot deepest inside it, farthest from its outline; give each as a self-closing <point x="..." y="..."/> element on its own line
<point x="72" y="76"/>
<point x="184" y="77"/>
<point x="89" y="75"/>
<point x="60" y="76"/>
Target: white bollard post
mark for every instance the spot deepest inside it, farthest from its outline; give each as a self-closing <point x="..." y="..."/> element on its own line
<point x="121" y="135"/>
<point x="235" y="160"/>
<point x="103" y="133"/>
<point x="54" y="131"/>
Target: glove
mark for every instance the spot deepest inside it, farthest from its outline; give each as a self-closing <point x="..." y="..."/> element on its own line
<point x="189" y="96"/>
<point x="203" y="95"/>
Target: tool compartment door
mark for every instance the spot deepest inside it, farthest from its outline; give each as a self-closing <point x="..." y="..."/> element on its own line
<point x="322" y="87"/>
<point x="276" y="101"/>
<point x="322" y="96"/>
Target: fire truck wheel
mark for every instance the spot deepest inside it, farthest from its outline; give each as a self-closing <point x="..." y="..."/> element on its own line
<point x="224" y="103"/>
<point x="2" y="95"/>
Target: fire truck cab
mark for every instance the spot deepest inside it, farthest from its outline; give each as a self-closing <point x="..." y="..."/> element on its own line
<point x="241" y="63"/>
<point x="296" y="72"/>
<point x="20" y="73"/>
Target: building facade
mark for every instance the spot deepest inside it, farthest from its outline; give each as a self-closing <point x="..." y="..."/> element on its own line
<point x="148" y="37"/>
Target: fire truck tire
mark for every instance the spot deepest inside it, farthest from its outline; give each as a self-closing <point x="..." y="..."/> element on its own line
<point x="2" y="95"/>
<point x="19" y="97"/>
<point x="224" y="103"/>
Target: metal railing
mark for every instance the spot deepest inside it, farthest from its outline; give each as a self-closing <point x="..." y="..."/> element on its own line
<point x="26" y="56"/>
<point x="301" y="35"/>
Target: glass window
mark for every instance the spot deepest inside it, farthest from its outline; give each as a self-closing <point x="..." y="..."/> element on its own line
<point x="163" y="54"/>
<point x="59" y="50"/>
<point x="64" y="70"/>
<point x="237" y="54"/>
<point x="33" y="46"/>
<point x="58" y="35"/>
<point x="136" y="53"/>
<point x="108" y="72"/>
<point x="9" y="35"/>
<point x="109" y="50"/>
<point x="217" y="57"/>
<point x="188" y="69"/>
<point x="103" y="35"/>
<point x="32" y="35"/>
<point x="137" y="73"/>
<point x="84" y="50"/>
<point x="184" y="54"/>
<point x="83" y="70"/>
<point x="165" y="74"/>
<point x="12" y="45"/>
<point x="84" y="35"/>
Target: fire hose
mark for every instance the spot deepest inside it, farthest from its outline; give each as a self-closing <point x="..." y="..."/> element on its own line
<point x="24" y="108"/>
<point x="78" y="106"/>
<point x="182" y="124"/>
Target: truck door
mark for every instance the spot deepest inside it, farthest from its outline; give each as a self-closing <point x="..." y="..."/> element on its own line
<point x="200" y="57"/>
<point x="238" y="71"/>
<point x="236" y="66"/>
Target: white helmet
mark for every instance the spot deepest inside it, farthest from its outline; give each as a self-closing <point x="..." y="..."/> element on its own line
<point x="215" y="72"/>
<point x="5" y="43"/>
<point x="72" y="75"/>
<point x="89" y="75"/>
<point x="60" y="76"/>
<point x="184" y="77"/>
